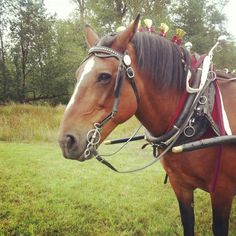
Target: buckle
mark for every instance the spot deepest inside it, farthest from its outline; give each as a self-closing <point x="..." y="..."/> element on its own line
<point x="130" y="72"/>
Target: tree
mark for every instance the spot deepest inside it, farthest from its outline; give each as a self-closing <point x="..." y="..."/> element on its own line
<point x="34" y="52"/>
<point x="31" y="36"/>
<point x="106" y="15"/>
<point x="203" y="21"/>
<point x="81" y="7"/>
<point x="4" y="77"/>
<point x="226" y="57"/>
<point x="69" y="51"/>
<point x="38" y="56"/>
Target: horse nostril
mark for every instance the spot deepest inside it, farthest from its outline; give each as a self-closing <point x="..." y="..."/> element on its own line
<point x="70" y="141"/>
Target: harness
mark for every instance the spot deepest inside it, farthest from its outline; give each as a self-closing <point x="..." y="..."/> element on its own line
<point x="94" y="135"/>
<point x="194" y="116"/>
<point x="191" y="123"/>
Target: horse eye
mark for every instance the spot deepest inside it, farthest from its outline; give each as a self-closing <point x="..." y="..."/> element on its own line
<point x="104" y="78"/>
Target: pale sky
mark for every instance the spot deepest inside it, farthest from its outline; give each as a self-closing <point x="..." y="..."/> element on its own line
<point x="64" y="8"/>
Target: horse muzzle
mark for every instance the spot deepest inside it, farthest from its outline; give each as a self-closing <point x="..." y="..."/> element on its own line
<point x="72" y="149"/>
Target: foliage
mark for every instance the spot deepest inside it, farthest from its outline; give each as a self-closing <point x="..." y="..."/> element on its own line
<point x="107" y="15"/>
<point x="40" y="58"/>
<point x="28" y="123"/>
<point x="202" y="20"/>
<point x="226" y="57"/>
<point x="39" y="53"/>
<point x="4" y="73"/>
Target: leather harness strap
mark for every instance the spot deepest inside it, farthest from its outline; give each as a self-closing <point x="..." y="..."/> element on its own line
<point x="193" y="105"/>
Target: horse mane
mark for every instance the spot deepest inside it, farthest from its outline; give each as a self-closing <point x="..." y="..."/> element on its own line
<point x="162" y="59"/>
<point x="159" y="57"/>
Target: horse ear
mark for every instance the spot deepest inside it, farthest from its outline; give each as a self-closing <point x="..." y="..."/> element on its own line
<point x="90" y="36"/>
<point x="126" y="36"/>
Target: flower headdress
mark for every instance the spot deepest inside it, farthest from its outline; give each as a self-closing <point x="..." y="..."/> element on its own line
<point x="148" y="27"/>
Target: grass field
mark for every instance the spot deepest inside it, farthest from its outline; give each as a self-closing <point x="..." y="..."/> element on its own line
<point x="26" y="123"/>
<point x="42" y="193"/>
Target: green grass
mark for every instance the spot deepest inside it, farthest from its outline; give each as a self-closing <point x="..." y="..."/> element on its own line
<point x="27" y="123"/>
<point x="42" y="193"/>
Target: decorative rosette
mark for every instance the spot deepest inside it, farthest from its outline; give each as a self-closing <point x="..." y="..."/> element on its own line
<point x="148" y="26"/>
<point x="178" y="37"/>
<point x="163" y="29"/>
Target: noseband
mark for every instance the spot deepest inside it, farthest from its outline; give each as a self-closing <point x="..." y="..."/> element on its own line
<point x="124" y="68"/>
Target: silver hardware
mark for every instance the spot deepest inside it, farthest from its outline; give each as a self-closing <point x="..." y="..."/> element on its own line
<point x="127" y="60"/>
<point x="189" y="130"/>
<point x="199" y="111"/>
<point x="222" y="39"/>
<point x="93" y="138"/>
<point x="212" y="75"/>
<point x="130" y="72"/>
<point x="87" y="153"/>
<point x="202" y="100"/>
<point x="97" y="49"/>
<point x="188" y="46"/>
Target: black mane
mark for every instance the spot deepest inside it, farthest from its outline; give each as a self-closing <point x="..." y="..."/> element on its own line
<point x="162" y="59"/>
<point x="159" y="57"/>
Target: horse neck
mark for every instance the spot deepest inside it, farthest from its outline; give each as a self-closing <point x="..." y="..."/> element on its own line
<point x="157" y="108"/>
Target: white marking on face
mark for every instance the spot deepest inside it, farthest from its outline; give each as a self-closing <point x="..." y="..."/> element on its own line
<point x="87" y="68"/>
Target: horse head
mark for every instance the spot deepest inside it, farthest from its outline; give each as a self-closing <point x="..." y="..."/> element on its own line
<point x="98" y="94"/>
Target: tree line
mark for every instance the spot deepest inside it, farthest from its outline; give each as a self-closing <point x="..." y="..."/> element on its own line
<point x="39" y="53"/>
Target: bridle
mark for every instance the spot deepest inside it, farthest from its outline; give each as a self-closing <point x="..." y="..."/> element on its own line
<point x="124" y="68"/>
<point x="94" y="135"/>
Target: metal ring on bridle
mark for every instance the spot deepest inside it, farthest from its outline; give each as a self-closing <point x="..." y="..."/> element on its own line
<point x="93" y="136"/>
<point x="130" y="72"/>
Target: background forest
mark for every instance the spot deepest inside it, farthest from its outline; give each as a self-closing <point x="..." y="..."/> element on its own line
<point x="39" y="54"/>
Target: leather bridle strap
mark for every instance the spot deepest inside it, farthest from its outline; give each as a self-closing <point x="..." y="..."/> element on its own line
<point x="93" y="136"/>
<point x="124" y="66"/>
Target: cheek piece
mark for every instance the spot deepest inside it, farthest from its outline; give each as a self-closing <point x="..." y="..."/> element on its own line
<point x="124" y="70"/>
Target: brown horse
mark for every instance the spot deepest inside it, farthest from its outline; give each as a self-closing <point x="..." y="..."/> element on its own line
<point x="153" y="98"/>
